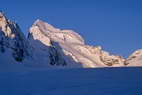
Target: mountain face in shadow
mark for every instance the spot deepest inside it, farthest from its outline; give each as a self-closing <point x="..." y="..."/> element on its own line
<point x="12" y="40"/>
<point x="47" y="46"/>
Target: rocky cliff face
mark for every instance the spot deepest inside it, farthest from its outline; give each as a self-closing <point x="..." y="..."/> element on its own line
<point x="52" y="47"/>
<point x="12" y="41"/>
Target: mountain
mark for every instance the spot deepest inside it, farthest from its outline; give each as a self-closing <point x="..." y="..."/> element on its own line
<point x="13" y="44"/>
<point x="69" y="46"/>
<point x="135" y="59"/>
<point x="47" y="46"/>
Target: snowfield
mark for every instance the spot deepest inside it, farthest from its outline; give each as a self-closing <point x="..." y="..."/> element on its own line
<point x="99" y="81"/>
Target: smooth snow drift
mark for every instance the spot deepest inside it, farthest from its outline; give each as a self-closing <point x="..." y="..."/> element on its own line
<point x="108" y="81"/>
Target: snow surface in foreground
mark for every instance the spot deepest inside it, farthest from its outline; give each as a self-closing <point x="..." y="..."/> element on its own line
<point x="104" y="81"/>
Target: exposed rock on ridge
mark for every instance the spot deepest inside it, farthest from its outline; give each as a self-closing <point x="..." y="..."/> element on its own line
<point x="12" y="39"/>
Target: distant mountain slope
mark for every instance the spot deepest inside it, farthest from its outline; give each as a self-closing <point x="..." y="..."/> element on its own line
<point x="47" y="46"/>
<point x="135" y="59"/>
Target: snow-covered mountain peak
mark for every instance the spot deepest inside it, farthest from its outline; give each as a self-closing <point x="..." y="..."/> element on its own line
<point x="49" y="46"/>
<point x="55" y="34"/>
<point x="45" y="26"/>
<point x="135" y="59"/>
<point x="12" y="41"/>
<point x="9" y="28"/>
<point x="2" y="17"/>
<point x="3" y="22"/>
<point x="137" y="53"/>
<point x="69" y="43"/>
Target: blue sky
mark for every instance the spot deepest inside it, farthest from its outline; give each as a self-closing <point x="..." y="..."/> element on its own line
<point x="116" y="25"/>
